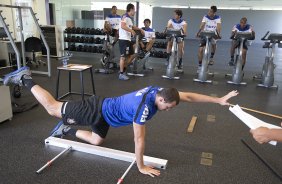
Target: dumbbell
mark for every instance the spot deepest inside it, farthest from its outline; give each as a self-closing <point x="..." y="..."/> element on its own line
<point x="165" y="55"/>
<point x="102" y="32"/>
<point x="92" y="31"/>
<point x="89" y="49"/>
<point x="73" y="30"/>
<point x="87" y="31"/>
<point x="72" y="39"/>
<point x="98" y="31"/>
<point x="68" y="30"/>
<point x="83" y="31"/>
<point x="78" y="30"/>
<point x="77" y="39"/>
<point x="91" y="40"/>
<point x="79" y="48"/>
<point x="85" y="48"/>
<point x="98" y="40"/>
<point x="100" y="49"/>
<point x="72" y="47"/>
<point x="86" y="40"/>
<point x="66" y="39"/>
<point x="95" y="49"/>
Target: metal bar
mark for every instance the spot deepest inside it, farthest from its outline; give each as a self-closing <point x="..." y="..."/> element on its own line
<point x="259" y="112"/>
<point x="120" y="180"/>
<point x="51" y="161"/>
<point x="11" y="6"/>
<point x="22" y="36"/>
<point x="105" y="152"/>
<point x="44" y="41"/>
<point x="11" y="40"/>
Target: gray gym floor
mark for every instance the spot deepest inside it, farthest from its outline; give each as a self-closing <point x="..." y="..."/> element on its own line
<point x="22" y="140"/>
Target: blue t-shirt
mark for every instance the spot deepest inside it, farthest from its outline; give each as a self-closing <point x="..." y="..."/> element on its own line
<point x="124" y="110"/>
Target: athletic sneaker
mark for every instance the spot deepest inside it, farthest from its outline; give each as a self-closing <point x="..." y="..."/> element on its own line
<point x="199" y="68"/>
<point x="231" y="62"/>
<point x="211" y="61"/>
<point x="180" y="67"/>
<point x="58" y="130"/>
<point x="122" y="76"/>
<point x="16" y="76"/>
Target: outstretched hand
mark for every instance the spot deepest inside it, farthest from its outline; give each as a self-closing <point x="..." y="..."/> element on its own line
<point x="224" y="100"/>
<point x="149" y="171"/>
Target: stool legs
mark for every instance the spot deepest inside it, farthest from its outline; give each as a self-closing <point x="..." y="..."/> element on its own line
<point x="57" y="85"/>
<point x="82" y="85"/>
<point x="92" y="81"/>
<point x="69" y="81"/>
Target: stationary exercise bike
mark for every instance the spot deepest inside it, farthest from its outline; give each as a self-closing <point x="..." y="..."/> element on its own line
<point x="237" y="75"/>
<point x="138" y="66"/>
<point x="108" y="57"/>
<point x="204" y="71"/>
<point x="176" y="35"/>
<point x="267" y="75"/>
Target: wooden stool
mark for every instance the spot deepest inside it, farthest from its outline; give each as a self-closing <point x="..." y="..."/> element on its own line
<point x="75" y="68"/>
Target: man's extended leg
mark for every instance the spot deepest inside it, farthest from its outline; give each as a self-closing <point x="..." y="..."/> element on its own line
<point x="181" y="53"/>
<point x="150" y="45"/>
<point x="22" y="77"/>
<point x="200" y="55"/>
<point x="213" y="49"/>
<point x="168" y="50"/>
<point x="232" y="52"/>
<point x="244" y="57"/>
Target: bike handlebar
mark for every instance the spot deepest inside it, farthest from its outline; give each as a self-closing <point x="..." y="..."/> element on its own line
<point x="264" y="37"/>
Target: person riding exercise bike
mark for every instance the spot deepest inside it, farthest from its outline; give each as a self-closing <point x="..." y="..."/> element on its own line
<point x="210" y="22"/>
<point x="242" y="27"/>
<point x="177" y="23"/>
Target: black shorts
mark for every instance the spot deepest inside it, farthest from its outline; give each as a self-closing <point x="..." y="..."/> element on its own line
<point x="203" y="42"/>
<point x="114" y="33"/>
<point x="86" y="113"/>
<point x="125" y="48"/>
<point x="237" y="44"/>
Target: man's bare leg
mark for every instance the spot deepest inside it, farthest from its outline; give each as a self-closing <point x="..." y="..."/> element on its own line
<point x="52" y="106"/>
<point x="90" y="137"/>
<point x="200" y="55"/>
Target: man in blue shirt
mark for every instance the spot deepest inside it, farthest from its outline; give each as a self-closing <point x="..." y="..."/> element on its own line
<point x="133" y="108"/>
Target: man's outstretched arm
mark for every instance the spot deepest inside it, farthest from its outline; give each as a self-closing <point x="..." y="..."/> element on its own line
<point x="195" y="97"/>
<point x="139" y="139"/>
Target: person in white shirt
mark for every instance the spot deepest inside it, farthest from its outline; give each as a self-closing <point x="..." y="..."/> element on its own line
<point x="241" y="27"/>
<point x="111" y="25"/>
<point x="177" y="23"/>
<point x="125" y="45"/>
<point x="210" y="22"/>
<point x="149" y="36"/>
